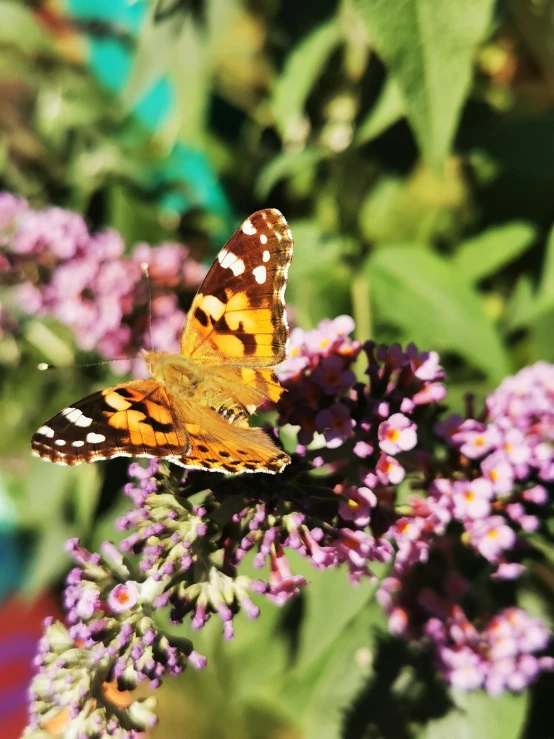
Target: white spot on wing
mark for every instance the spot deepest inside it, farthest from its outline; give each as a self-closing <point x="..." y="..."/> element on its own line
<point x="93" y="438"/>
<point x="77" y="417"/>
<point x="237" y="268"/>
<point x="260" y="273"/>
<point x="228" y="260"/>
<point x="248" y="228"/>
<point x="60" y="442"/>
<point x="265" y="256"/>
<point x="263" y="238"/>
<point x="78" y="443"/>
<point x="213" y="306"/>
<point x="46" y="431"/>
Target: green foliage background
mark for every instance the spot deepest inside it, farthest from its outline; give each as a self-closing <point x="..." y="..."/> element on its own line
<point x="410" y="144"/>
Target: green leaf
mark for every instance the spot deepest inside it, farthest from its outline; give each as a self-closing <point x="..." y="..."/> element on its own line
<point x="388" y="109"/>
<point x="545" y="301"/>
<point x="21" y="29"/>
<point x="526" y="308"/>
<point x="87" y="492"/>
<point x="325" y="618"/>
<point x="318" y="694"/>
<point x="319" y="285"/>
<point x="428" y="48"/>
<point x="286" y="164"/>
<point x="424" y="295"/>
<point x="478" y="714"/>
<point x="50" y="560"/>
<point x="491" y="250"/>
<point x="302" y="68"/>
<point x="521" y="305"/>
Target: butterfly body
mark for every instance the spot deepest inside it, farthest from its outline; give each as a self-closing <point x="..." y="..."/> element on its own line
<point x="195" y="408"/>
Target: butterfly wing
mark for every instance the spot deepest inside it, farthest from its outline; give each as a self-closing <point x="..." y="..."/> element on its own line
<point x="238" y="315"/>
<point x="218" y="445"/>
<point x="134" y="419"/>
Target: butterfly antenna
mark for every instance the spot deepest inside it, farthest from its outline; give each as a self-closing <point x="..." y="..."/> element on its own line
<point x="146" y="271"/>
<point x="44" y="366"/>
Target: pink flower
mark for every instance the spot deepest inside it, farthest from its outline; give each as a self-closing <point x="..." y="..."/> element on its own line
<point x="475" y="439"/>
<point x="515" y="446"/>
<point x="362" y="449"/>
<point x="283" y="584"/>
<point x="332" y="376"/>
<point x="499" y="471"/>
<point x="336" y="424"/>
<point x="425" y="365"/>
<point x="397" y="434"/>
<point x="358" y="507"/>
<point x="491" y="537"/>
<point x="465" y="670"/>
<point x="434" y="392"/>
<point x="389" y="470"/>
<point x="537" y="495"/>
<point x="124" y="596"/>
<point x="331" y="335"/>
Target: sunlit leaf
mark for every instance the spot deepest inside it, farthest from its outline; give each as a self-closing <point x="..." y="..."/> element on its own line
<point x="428" y="48"/>
<point x="477" y="714"/>
<point x="301" y="70"/>
<point x="491" y="250"/>
<point x="423" y="293"/>
<point x="86" y="494"/>
<point x="286" y="164"/>
<point x="388" y="109"/>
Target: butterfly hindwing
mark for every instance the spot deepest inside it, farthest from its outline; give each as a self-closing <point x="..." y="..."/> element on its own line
<point x="218" y="445"/>
<point x="132" y="419"/>
<point x="238" y="315"/>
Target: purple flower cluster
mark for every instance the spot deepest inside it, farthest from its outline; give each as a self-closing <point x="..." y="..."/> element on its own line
<point x="111" y="636"/>
<point x="496" y="652"/>
<point x="378" y="475"/>
<point x="87" y="282"/>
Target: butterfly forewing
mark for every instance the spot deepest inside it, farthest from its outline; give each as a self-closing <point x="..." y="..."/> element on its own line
<point x="238" y="315"/>
<point x="131" y="419"/>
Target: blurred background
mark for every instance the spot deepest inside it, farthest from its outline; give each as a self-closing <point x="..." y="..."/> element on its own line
<point x="410" y="145"/>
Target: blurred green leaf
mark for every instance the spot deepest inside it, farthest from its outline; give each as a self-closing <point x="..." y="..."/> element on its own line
<point x="286" y="164"/>
<point x="525" y="307"/>
<point x="491" y="250"/>
<point x="521" y="305"/>
<point x="428" y="48"/>
<point x="325" y="619"/>
<point x="49" y="560"/>
<point x="388" y="109"/>
<point x="86" y="495"/>
<point x="545" y="297"/>
<point x="302" y="68"/>
<point x="21" y="29"/>
<point x="423" y="293"/>
<point x="478" y="714"/>
<point x="319" y="285"/>
<point x="320" y="692"/>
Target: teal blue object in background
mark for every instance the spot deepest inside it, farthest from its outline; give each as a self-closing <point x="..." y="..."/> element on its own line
<point x="12" y="560"/>
<point x="110" y="61"/>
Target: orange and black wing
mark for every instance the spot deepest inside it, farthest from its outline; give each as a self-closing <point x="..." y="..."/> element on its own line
<point x="238" y="315"/>
<point x="134" y="419"/>
<point x="216" y="445"/>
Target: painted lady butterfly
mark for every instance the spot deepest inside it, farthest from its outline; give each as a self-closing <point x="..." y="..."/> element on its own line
<point x="194" y="409"/>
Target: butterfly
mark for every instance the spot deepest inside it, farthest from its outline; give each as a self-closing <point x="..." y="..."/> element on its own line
<point x="194" y="409"/>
